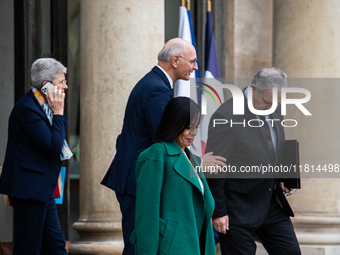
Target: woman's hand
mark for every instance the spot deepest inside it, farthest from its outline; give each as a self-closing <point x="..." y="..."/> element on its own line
<point x="56" y="100"/>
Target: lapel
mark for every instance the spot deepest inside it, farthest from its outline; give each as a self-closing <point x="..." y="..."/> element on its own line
<point x="182" y="165"/>
<point x="162" y="75"/>
<point x="37" y="105"/>
<point x="257" y="130"/>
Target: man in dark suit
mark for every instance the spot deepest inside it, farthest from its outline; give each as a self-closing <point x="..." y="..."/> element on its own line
<point x="251" y="206"/>
<point x="144" y="109"/>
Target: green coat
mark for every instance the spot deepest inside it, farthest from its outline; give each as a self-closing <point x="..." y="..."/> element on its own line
<point x="171" y="211"/>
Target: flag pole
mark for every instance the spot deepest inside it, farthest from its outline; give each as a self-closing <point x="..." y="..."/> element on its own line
<point x="188" y="5"/>
<point x="182" y="2"/>
<point x="208" y="6"/>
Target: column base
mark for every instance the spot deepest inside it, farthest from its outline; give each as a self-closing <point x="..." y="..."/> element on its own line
<point x="307" y="249"/>
<point x="98" y="238"/>
<point x="97" y="248"/>
<point x="317" y="234"/>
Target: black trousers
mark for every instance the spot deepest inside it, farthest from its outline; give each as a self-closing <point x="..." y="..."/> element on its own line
<point x="276" y="234"/>
<point x="127" y="207"/>
<point x="37" y="229"/>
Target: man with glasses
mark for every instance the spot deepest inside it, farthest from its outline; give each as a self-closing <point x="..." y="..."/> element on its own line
<point x="144" y="109"/>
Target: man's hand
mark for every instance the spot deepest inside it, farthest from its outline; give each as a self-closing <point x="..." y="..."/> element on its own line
<point x="221" y="224"/>
<point x="284" y="189"/>
<point x="287" y="192"/>
<point x="209" y="160"/>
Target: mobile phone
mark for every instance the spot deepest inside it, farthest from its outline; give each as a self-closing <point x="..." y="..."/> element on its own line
<point x="44" y="88"/>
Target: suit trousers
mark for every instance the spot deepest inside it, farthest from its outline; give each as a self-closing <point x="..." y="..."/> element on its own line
<point x="37" y="229"/>
<point x="276" y="234"/>
<point x="127" y="207"/>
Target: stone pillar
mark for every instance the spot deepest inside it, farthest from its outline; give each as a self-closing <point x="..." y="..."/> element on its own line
<point x="306" y="45"/>
<point x="248" y="40"/>
<point x="248" y="37"/>
<point x="120" y="41"/>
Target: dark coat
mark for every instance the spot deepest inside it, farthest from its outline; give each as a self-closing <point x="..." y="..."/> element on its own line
<point x="245" y="199"/>
<point x="32" y="162"/>
<point x="143" y="114"/>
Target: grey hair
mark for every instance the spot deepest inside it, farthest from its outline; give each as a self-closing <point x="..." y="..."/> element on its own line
<point x="269" y="77"/>
<point x="45" y="69"/>
<point x="167" y="52"/>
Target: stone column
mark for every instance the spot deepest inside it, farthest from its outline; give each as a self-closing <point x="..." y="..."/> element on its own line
<point x="120" y="41"/>
<point x="248" y="37"/>
<point x="306" y="45"/>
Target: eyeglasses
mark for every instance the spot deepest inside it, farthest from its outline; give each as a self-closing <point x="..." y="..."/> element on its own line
<point x="60" y="82"/>
<point x="192" y="62"/>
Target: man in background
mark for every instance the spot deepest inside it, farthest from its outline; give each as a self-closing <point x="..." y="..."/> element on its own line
<point x="249" y="207"/>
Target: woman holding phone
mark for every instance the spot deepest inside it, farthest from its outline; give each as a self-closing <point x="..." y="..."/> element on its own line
<point x="35" y="150"/>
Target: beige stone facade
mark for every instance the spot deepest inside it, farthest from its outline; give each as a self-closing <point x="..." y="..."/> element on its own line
<point x="306" y="42"/>
<point x="120" y="41"/>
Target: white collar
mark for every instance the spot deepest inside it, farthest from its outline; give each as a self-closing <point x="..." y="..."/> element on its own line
<point x="167" y="76"/>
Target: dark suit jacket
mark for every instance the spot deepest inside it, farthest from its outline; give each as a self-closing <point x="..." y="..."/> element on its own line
<point x="32" y="162"/>
<point x="143" y="114"/>
<point x="245" y="200"/>
<point x="172" y="214"/>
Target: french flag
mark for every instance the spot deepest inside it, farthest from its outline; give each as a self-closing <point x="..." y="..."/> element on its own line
<point x="212" y="95"/>
<point x="182" y="87"/>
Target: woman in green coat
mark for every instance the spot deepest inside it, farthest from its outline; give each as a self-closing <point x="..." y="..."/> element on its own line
<point x="173" y="201"/>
